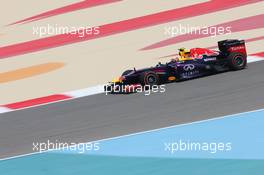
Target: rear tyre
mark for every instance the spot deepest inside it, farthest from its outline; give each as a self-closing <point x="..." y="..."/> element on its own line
<point x="237" y="61"/>
<point x="149" y="78"/>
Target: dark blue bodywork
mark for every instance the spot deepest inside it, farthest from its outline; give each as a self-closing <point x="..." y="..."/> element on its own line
<point x="180" y="70"/>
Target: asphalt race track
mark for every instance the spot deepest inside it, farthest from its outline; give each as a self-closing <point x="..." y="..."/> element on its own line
<point x="100" y="116"/>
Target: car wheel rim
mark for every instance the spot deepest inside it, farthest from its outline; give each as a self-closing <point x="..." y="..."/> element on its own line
<point x="151" y="80"/>
<point x="239" y="61"/>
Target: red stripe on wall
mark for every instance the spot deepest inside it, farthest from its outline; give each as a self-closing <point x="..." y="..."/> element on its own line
<point x="66" y="9"/>
<point x="37" y="101"/>
<point x="260" y="54"/>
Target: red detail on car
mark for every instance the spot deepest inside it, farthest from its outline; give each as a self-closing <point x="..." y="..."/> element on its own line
<point x="241" y="49"/>
<point x="199" y="52"/>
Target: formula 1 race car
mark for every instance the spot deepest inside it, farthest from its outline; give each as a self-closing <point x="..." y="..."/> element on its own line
<point x="194" y="63"/>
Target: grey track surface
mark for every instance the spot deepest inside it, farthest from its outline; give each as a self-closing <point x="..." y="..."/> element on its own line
<point x="100" y="116"/>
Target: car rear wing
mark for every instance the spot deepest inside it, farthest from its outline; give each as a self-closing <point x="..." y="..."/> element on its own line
<point x="232" y="45"/>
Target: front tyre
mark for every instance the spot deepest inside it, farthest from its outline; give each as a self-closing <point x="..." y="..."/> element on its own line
<point x="149" y="78"/>
<point x="237" y="61"/>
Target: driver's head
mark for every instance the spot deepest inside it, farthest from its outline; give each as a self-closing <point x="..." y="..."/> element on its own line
<point x="184" y="52"/>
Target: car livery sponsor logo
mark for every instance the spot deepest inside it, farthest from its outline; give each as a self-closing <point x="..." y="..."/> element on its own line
<point x="237" y="48"/>
<point x="189" y="74"/>
<point x="210" y="59"/>
<point x="188" y="67"/>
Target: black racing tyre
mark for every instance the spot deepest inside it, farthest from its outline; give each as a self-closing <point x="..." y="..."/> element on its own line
<point x="127" y="72"/>
<point x="237" y="61"/>
<point x="149" y="78"/>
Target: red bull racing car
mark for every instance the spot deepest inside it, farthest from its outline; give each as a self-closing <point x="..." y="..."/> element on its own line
<point x="192" y="63"/>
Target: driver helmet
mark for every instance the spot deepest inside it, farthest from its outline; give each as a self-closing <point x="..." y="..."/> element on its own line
<point x="184" y="52"/>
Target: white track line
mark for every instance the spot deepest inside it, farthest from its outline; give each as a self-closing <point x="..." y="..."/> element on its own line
<point x="86" y="92"/>
<point x="252" y="59"/>
<point x="4" y="110"/>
